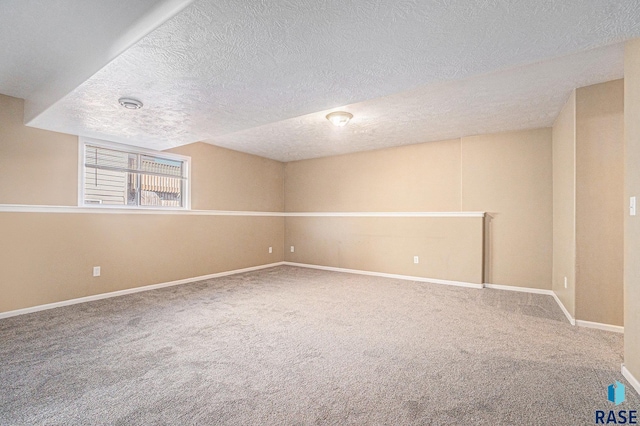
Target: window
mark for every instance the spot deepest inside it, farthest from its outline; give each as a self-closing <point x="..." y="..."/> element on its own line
<point x="123" y="176"/>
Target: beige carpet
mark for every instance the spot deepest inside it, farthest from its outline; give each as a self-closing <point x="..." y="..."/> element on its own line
<point x="298" y="346"/>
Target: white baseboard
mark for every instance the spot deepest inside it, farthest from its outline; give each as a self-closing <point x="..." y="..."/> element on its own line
<point x="131" y="290"/>
<point x="385" y="275"/>
<point x="520" y="289"/>
<point x="566" y="312"/>
<point x="634" y="382"/>
<point x="572" y="321"/>
<point x="581" y="323"/>
<point x="600" y="326"/>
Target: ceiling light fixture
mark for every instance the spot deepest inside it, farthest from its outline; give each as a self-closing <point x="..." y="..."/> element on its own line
<point x="339" y="118"/>
<point x="130" y="103"/>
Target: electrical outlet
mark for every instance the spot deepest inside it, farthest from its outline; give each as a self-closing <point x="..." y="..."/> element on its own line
<point x="270" y="249"/>
<point x="96" y="271"/>
<point x="416" y="259"/>
<point x="565" y="282"/>
<point x="293" y="249"/>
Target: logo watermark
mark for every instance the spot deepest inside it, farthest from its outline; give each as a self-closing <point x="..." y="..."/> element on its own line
<point x="616" y="392"/>
<point x="616" y="395"/>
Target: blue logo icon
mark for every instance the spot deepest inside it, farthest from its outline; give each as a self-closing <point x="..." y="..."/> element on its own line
<point x="616" y="393"/>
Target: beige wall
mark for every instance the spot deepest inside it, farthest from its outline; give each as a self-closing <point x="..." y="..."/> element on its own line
<point x="508" y="175"/>
<point x="51" y="255"/>
<point x="588" y="159"/>
<point x="448" y="248"/>
<point x="600" y="202"/>
<point x="36" y="166"/>
<point x="564" y="207"/>
<point x="41" y="167"/>
<point x="632" y="223"/>
<point x="423" y="177"/>
<point x="223" y="179"/>
<point x="48" y="257"/>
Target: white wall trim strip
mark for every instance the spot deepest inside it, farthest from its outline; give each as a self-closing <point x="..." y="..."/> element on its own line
<point x="566" y="312"/>
<point x="519" y="289"/>
<point x="632" y="380"/>
<point x="385" y="275"/>
<point x="21" y="208"/>
<point x="132" y="290"/>
<point x="384" y="214"/>
<point x="15" y="208"/>
<point x="600" y="326"/>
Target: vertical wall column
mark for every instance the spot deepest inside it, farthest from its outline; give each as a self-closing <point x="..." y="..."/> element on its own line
<point x="632" y="223"/>
<point x="599" y="209"/>
<point x="564" y="206"/>
<point x="588" y="162"/>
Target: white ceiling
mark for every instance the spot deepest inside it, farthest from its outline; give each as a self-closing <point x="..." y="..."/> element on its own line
<point x="49" y="47"/>
<point x="526" y="97"/>
<point x="260" y="76"/>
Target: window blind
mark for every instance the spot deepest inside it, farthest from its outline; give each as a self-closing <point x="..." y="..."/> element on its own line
<point x="118" y="177"/>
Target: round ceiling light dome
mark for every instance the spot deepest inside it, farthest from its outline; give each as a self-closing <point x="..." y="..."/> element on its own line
<point x="130" y="103"/>
<point x="339" y="118"/>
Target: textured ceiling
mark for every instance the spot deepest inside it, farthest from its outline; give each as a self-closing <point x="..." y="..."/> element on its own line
<point x="260" y="76"/>
<point x="521" y="98"/>
<point x="49" y="47"/>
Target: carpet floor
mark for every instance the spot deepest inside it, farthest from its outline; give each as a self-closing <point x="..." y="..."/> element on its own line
<point x="290" y="345"/>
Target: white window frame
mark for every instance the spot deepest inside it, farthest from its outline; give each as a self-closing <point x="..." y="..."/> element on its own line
<point x="84" y="141"/>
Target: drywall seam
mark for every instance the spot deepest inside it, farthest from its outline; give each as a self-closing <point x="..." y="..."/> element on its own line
<point x="385" y="275"/>
<point x="575" y="211"/>
<point x="460" y="177"/>
<point x="132" y="290"/>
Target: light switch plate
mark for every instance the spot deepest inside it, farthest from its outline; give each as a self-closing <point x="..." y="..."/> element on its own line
<point x="632" y="206"/>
